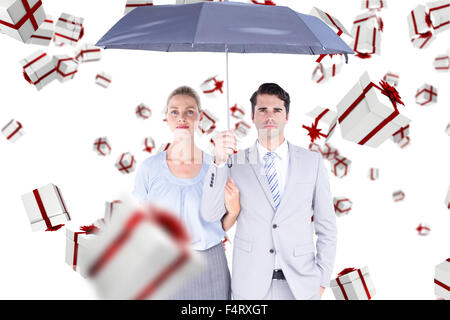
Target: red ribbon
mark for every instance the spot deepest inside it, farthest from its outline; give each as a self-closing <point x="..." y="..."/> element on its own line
<point x="266" y="2"/>
<point x="29" y="14"/>
<point x="82" y="52"/>
<point x="217" y="86"/>
<point x="428" y="17"/>
<point x="125" y="168"/>
<point x="348" y="270"/>
<point x="100" y="142"/>
<point x="430" y="92"/>
<point x="388" y="91"/>
<point x="421" y="227"/>
<point x="15" y="130"/>
<point x="338" y="161"/>
<point x="336" y="208"/>
<point x="140" y="109"/>
<point x="60" y="72"/>
<point x="84" y="230"/>
<point x="41" y="207"/>
<point x="313" y="132"/>
<point x="170" y="224"/>
<point x="147" y="147"/>
<point x="401" y="131"/>
<point x="102" y="77"/>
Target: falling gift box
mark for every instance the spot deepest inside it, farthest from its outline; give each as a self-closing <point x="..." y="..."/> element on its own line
<point x="368" y="113"/>
<point x="143" y="112"/>
<point x="327" y="68"/>
<point x="68" y="30"/>
<point x="88" y="53"/>
<point x="324" y="123"/>
<point x="237" y="112"/>
<point x="126" y="163"/>
<point x="447" y="199"/>
<point x="103" y="79"/>
<point x="133" y="4"/>
<point x="439" y="15"/>
<point x="402" y="143"/>
<point x="241" y="129"/>
<point x="391" y="78"/>
<point x="39" y="69"/>
<point x="315" y="147"/>
<point x="373" y="4"/>
<point x="46" y="208"/>
<point x="426" y="95"/>
<point x="368" y="19"/>
<point x="211" y="86"/>
<point x="65" y="66"/>
<point x="112" y="208"/>
<point x="442" y="280"/>
<point x="423" y="229"/>
<point x="207" y="122"/>
<point x="142" y="255"/>
<point x="353" y="284"/>
<point x="442" y="62"/>
<point x="367" y="41"/>
<point x="21" y="18"/>
<point x="340" y="166"/>
<point x="398" y="195"/>
<point x="102" y="146"/>
<point x="373" y="174"/>
<point x="77" y="247"/>
<point x="419" y="26"/>
<point x="148" y="144"/>
<point x="13" y="130"/>
<point x="342" y="206"/>
<point x="329" y="152"/>
<point x="330" y="20"/>
<point x="44" y="34"/>
<point x="400" y="134"/>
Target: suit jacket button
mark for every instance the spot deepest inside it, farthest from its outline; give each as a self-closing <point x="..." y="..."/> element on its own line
<point x="274" y="226"/>
<point x="212" y="174"/>
<point x="211" y="185"/>
<point x="271" y="251"/>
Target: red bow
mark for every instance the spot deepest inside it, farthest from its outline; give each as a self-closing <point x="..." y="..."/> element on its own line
<point x="363" y="55"/>
<point x="54" y="228"/>
<point x="345" y="271"/>
<point x="266" y="2"/>
<point x="391" y="93"/>
<point x="89" y="229"/>
<point x="313" y="132"/>
<point x="428" y="20"/>
<point x="218" y="85"/>
<point x="380" y="24"/>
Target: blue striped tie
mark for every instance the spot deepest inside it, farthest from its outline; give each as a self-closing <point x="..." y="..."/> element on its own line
<point x="271" y="174"/>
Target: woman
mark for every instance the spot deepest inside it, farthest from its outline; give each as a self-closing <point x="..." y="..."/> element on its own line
<point x="174" y="179"/>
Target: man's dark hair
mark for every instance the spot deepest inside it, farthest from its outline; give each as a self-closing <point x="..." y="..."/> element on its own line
<point x="272" y="89"/>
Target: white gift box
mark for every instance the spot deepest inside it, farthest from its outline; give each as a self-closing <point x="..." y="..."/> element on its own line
<point x="126" y="163"/>
<point x="329" y="152"/>
<point x="342" y="206"/>
<point x="163" y="147"/>
<point x="391" y="78"/>
<point x="373" y="4"/>
<point x="330" y="20"/>
<point x="210" y="87"/>
<point x="439" y="12"/>
<point x="442" y="62"/>
<point x="340" y="166"/>
<point x="65" y="66"/>
<point x="44" y="34"/>
<point x="367" y="116"/>
<point x="324" y="123"/>
<point x="442" y="280"/>
<point x="373" y="174"/>
<point x="237" y="111"/>
<point x="403" y="142"/>
<point x="368" y="19"/>
<point x="423" y="229"/>
<point x="113" y="208"/>
<point x="423" y="41"/>
<point x="102" y="146"/>
<point x="447" y="199"/>
<point x="418" y="23"/>
<point x="367" y="41"/>
<point x="426" y="95"/>
<point x="241" y="129"/>
<point x="148" y="144"/>
<point x="398" y="195"/>
<point x="133" y="4"/>
<point x="13" y="130"/>
<point x="77" y="248"/>
<point x="45" y="208"/>
<point x="207" y="122"/>
<point x="143" y="112"/>
<point x="21" y="18"/>
<point x="103" y="79"/>
<point x="400" y="134"/>
<point x="39" y="69"/>
<point x="88" y="53"/>
<point x="68" y="30"/>
<point x="354" y="285"/>
<point x="141" y="256"/>
<point x="327" y="68"/>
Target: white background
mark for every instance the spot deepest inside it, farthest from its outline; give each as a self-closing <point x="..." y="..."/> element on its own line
<point x="62" y="121"/>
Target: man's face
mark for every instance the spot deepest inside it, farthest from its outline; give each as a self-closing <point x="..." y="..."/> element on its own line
<point x="269" y="116"/>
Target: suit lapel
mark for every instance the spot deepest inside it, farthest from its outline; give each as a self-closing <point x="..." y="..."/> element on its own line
<point x="294" y="159"/>
<point x="258" y="169"/>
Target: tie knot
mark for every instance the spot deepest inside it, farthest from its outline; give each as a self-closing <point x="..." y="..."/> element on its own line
<point x="269" y="156"/>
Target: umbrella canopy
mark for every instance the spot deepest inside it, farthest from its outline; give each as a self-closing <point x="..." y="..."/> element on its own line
<point x="223" y="27"/>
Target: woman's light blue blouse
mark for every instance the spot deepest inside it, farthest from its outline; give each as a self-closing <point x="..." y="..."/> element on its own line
<point x="156" y="184"/>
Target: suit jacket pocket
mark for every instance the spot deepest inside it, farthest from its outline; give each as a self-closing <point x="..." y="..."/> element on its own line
<point x="242" y="244"/>
<point x="304" y="249"/>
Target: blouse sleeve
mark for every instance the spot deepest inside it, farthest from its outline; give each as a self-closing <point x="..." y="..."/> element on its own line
<point x="142" y="181"/>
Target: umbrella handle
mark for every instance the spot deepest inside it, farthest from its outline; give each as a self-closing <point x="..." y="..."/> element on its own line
<point x="229" y="164"/>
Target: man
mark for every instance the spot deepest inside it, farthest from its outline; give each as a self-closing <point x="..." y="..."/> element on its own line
<point x="283" y="189"/>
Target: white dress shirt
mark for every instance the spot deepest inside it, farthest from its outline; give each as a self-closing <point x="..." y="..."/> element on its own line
<point x="281" y="166"/>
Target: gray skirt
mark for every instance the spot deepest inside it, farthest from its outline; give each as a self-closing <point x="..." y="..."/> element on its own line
<point x="212" y="283"/>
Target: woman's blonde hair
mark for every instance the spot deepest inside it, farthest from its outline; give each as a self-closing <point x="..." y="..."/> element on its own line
<point x="187" y="91"/>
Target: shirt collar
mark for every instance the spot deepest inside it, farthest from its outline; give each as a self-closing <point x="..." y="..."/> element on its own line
<point x="282" y="151"/>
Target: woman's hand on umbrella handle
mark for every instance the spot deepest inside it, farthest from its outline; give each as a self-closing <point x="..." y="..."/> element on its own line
<point x="225" y="144"/>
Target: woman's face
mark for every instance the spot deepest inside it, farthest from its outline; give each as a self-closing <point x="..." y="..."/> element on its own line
<point x="182" y="115"/>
